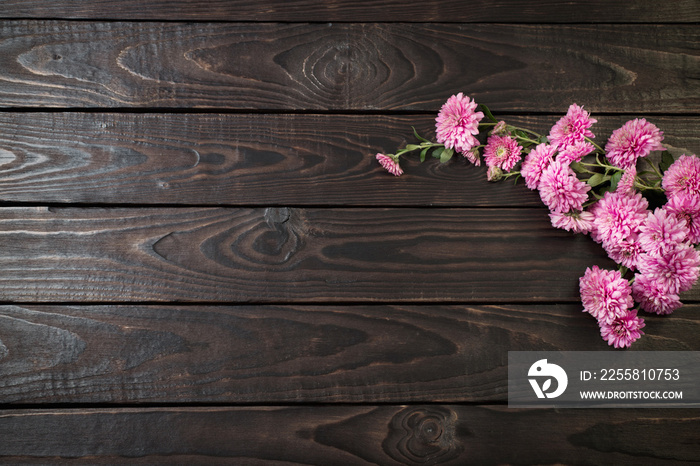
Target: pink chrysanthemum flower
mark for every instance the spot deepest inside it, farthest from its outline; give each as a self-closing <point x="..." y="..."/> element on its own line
<point x="575" y="152"/>
<point x="391" y="164"/>
<point x="625" y="252"/>
<point x="623" y="331"/>
<point x="605" y="294"/>
<point x="661" y="232"/>
<point x="534" y="164"/>
<point x="618" y="216"/>
<point x="676" y="270"/>
<point x="560" y="190"/>
<point x="682" y="177"/>
<point x="575" y="221"/>
<point x="652" y="296"/>
<point x="636" y="138"/>
<point x="626" y="183"/>
<point x="571" y="128"/>
<point x="502" y="152"/>
<point x="457" y="123"/>
<point x="687" y="208"/>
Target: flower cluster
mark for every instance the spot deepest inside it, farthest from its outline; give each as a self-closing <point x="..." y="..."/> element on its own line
<point x="598" y="191"/>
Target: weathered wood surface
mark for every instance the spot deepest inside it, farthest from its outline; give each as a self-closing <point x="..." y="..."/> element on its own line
<point x="289" y="255"/>
<point x="291" y="354"/>
<point x="255" y="159"/>
<point x="232" y="241"/>
<point x="539" y="11"/>
<point x="352" y="435"/>
<point x="349" y="66"/>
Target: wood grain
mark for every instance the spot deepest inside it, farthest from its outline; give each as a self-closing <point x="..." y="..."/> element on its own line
<point x="388" y="435"/>
<point x="231" y="242"/>
<point x="348" y="66"/>
<point x="252" y="159"/>
<point x="288" y="254"/>
<point x="289" y="354"/>
<point x="680" y="11"/>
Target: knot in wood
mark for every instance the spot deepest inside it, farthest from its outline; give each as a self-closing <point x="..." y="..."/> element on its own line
<point x="342" y="63"/>
<point x="423" y="435"/>
<point x="277" y="215"/>
<point x="273" y="242"/>
<point x="429" y="430"/>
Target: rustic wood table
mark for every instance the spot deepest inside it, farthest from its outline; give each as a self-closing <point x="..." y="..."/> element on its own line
<point x="201" y="261"/>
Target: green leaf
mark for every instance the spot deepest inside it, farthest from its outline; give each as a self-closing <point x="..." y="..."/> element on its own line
<point x="422" y="154"/>
<point x="446" y="155"/>
<point x="437" y="153"/>
<point x="603" y="190"/>
<point x="615" y="179"/>
<point x="666" y="161"/>
<point x="412" y="147"/>
<point x="488" y="113"/>
<point x="577" y="167"/>
<point x="418" y="136"/>
<point x="597" y="179"/>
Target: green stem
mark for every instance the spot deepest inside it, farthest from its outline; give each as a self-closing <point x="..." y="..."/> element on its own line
<point x="648" y="188"/>
<point x="415" y="147"/>
<point x="520" y="138"/>
<point x="594" y="144"/>
<point x="600" y="164"/>
<point x="537" y="135"/>
<point x="653" y="167"/>
<point x="585" y="170"/>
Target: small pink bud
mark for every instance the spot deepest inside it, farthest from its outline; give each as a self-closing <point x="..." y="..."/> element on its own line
<point x="473" y="156"/>
<point x="390" y="163"/>
<point x="500" y="129"/>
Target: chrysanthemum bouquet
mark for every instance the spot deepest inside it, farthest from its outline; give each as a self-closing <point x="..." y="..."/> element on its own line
<point x="596" y="190"/>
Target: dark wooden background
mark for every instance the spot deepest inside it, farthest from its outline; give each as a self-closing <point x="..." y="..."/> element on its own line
<point x="201" y="261"/>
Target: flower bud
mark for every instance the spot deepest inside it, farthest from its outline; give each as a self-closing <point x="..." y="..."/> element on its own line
<point x="494" y="174"/>
<point x="473" y="156"/>
<point x="390" y="162"/>
<point x="500" y="129"/>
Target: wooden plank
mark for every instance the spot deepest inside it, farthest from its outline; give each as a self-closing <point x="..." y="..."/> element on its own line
<point x="348" y="66"/>
<point x="388" y="435"/>
<point x="284" y="254"/>
<point x="519" y="11"/>
<point x="254" y="159"/>
<point x="197" y="159"/>
<point x="291" y="354"/>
